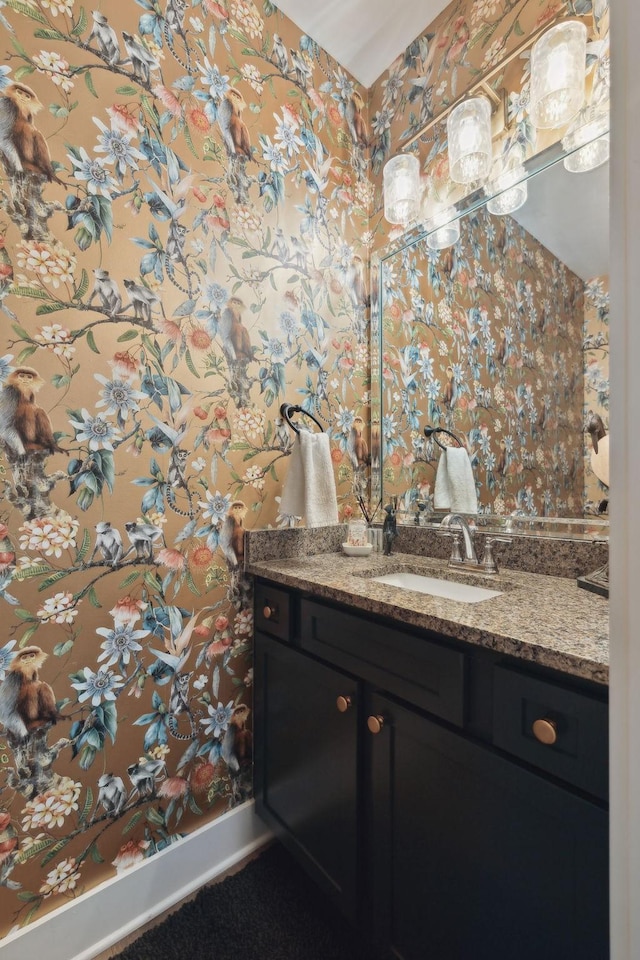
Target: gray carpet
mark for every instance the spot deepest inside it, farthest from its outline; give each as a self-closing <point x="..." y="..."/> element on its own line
<point x="269" y="910"/>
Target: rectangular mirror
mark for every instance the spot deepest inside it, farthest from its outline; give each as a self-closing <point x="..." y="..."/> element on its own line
<point x="501" y="338"/>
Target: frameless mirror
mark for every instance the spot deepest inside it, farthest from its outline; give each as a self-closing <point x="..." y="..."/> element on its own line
<point x="501" y="338"/>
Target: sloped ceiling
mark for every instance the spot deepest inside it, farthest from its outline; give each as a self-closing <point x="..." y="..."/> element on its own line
<point x="364" y="36"/>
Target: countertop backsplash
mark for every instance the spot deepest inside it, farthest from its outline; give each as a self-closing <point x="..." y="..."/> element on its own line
<point x="552" y="557"/>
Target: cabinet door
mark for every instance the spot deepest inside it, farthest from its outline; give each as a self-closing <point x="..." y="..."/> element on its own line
<point x="477" y="857"/>
<point x="306" y="763"/>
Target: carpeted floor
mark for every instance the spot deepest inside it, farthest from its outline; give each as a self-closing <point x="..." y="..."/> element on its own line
<point x="269" y="910"/>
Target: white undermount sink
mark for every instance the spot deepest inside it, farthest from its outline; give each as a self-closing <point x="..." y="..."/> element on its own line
<point x="435" y="587"/>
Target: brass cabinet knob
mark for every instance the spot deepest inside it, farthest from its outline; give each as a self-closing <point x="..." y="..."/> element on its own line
<point x="375" y="723"/>
<point x="545" y="730"/>
<point x="268" y="612"/>
<point x="344" y="703"/>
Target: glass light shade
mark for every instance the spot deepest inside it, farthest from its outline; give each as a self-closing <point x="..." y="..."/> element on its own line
<point x="512" y="195"/>
<point x="589" y="157"/>
<point x="445" y="231"/>
<point x="469" y="136"/>
<point x="588" y="139"/>
<point x="401" y="185"/>
<point x="558" y="61"/>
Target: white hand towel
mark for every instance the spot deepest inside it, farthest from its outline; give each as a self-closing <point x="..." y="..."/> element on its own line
<point x="310" y="488"/>
<point x="455" y="488"/>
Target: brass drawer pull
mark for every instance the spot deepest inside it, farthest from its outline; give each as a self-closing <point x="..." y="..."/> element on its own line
<point x="375" y="723"/>
<point x="545" y="731"/>
<point x="269" y="612"/>
<point x="344" y="703"/>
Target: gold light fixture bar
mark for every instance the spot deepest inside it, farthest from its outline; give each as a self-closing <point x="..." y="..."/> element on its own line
<point x="483" y="85"/>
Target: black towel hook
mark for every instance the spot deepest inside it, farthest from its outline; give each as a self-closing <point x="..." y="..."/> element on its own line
<point x="286" y="411"/>
<point x="431" y="432"/>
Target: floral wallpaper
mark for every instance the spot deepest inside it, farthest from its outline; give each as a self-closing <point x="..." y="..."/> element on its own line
<point x="189" y="195"/>
<point x="485" y="339"/>
<point x="596" y="377"/>
<point x="184" y="202"/>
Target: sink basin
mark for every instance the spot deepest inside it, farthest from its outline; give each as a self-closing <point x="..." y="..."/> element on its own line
<point x="435" y="587"/>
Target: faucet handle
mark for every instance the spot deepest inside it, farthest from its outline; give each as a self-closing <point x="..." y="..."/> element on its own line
<point x="456" y="552"/>
<point x="489" y="564"/>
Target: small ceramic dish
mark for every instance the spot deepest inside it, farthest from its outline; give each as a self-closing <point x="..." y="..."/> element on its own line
<point x="357" y="551"/>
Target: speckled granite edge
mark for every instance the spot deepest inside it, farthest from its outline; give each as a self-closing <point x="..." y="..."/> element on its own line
<point x="547" y="556"/>
<point x="545" y="620"/>
<point x="292" y="542"/>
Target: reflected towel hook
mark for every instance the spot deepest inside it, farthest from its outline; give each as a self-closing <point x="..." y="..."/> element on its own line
<point x="286" y="411"/>
<point x="431" y="431"/>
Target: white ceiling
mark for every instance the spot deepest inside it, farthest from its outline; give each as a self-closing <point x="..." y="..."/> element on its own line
<point x="365" y="36"/>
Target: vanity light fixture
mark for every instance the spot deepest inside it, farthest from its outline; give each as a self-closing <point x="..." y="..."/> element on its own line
<point x="588" y="140"/>
<point x="444" y="231"/>
<point x="510" y="189"/>
<point x="558" y="60"/>
<point x="401" y="186"/>
<point x="469" y="137"/>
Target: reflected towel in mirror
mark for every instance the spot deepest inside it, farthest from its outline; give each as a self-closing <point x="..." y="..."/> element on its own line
<point x="455" y="488"/>
<point x="310" y="489"/>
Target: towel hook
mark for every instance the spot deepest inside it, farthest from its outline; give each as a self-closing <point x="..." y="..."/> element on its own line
<point x="431" y="431"/>
<point x="286" y="411"/>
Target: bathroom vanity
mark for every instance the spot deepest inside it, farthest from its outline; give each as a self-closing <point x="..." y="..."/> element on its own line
<point x="439" y="766"/>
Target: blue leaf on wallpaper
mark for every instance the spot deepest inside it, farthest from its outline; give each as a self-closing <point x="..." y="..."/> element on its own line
<point x="185" y="309"/>
<point x="149" y="264"/>
<point x="187" y="531"/>
<point x="185" y="83"/>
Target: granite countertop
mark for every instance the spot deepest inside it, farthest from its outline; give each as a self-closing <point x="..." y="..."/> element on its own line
<point x="547" y="620"/>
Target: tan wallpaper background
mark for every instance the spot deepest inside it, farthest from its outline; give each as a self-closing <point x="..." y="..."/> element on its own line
<point x="181" y="252"/>
<point x="203" y="258"/>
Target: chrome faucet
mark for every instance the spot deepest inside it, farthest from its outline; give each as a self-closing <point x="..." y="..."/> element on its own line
<point x="456" y="520"/>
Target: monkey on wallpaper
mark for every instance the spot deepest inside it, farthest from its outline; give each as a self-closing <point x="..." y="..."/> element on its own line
<point x="279" y="55"/>
<point x="234" y="130"/>
<point x="357" y="445"/>
<point x="236" y="752"/>
<point x="109" y="543"/>
<point x="140" y="57"/>
<point x="24" y="426"/>
<point x="142" y="299"/>
<point x="355" y="120"/>
<point x="142" y="537"/>
<point x="22" y="147"/>
<point x="143" y="775"/>
<point x="107" y="292"/>
<point x="112" y="795"/>
<point x="106" y="38"/>
<point x="232" y="535"/>
<point x="26" y="702"/>
<point x="233" y="333"/>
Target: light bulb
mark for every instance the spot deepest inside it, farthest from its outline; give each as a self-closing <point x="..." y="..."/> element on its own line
<point x="558" y="61"/>
<point x="401" y="187"/>
<point x="510" y="194"/>
<point x="587" y="140"/>
<point x="469" y="136"/>
<point x="444" y="231"/>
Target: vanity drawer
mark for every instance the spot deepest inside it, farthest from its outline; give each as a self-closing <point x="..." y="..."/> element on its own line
<point x="426" y="674"/>
<point x="272" y="608"/>
<point x="571" y="729"/>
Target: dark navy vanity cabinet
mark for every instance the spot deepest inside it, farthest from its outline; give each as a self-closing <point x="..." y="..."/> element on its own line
<point x="451" y="800"/>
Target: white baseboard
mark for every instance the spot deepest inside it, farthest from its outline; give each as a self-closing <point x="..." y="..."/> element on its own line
<point x="85" y="927"/>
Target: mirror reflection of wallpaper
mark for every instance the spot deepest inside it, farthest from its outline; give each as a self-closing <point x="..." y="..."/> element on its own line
<point x="596" y="375"/>
<point x="485" y="339"/>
